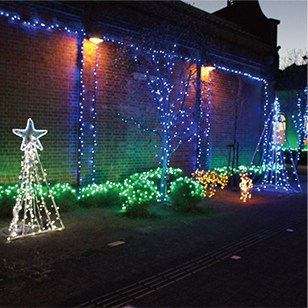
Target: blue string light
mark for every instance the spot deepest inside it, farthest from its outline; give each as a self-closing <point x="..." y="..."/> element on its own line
<point x="38" y="24"/>
<point x="94" y="116"/>
<point x="273" y="161"/>
<point x="43" y="25"/>
<point x="256" y="78"/>
<point x="81" y="116"/>
<point x="301" y="124"/>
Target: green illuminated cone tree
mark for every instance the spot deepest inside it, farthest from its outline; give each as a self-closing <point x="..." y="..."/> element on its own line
<point x="37" y="215"/>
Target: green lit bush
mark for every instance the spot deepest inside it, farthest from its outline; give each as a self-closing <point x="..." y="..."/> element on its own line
<point x="7" y="200"/>
<point x="155" y="174"/>
<point x="185" y="194"/>
<point x="135" y="195"/>
<point x="102" y="195"/>
<point x="138" y="195"/>
<point x="65" y="197"/>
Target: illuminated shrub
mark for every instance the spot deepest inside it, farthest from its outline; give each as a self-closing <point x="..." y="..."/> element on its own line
<point x="210" y="180"/>
<point x="138" y="195"/>
<point x="185" y="194"/>
<point x="7" y="200"/>
<point x="135" y="195"/>
<point x="255" y="170"/>
<point x="65" y="197"/>
<point x="103" y="195"/>
<point x="155" y="174"/>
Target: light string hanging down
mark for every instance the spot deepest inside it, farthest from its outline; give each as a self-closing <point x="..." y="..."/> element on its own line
<point x="265" y="85"/>
<point x="38" y="216"/>
<point x="94" y="118"/>
<point x="81" y="124"/>
<point x="40" y="24"/>
<point x="207" y="118"/>
<point x="300" y="122"/>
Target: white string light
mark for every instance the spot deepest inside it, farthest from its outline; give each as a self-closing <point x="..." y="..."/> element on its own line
<point x="94" y="115"/>
<point x="39" y="24"/>
<point x="37" y="217"/>
<point x="273" y="161"/>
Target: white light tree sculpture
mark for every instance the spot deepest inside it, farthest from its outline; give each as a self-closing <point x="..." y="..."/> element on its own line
<point x="37" y="216"/>
<point x="273" y="161"/>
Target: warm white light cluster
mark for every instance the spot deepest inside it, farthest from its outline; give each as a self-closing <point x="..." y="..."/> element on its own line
<point x="37" y="216"/>
<point x="246" y="186"/>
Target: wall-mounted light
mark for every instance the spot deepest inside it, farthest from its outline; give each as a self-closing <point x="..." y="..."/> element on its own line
<point x="96" y="40"/>
<point x="205" y="70"/>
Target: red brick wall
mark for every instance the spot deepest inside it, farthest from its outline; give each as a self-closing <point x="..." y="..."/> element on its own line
<point x="39" y="77"/>
<point x="233" y="92"/>
<point x="39" y="80"/>
<point x="122" y="148"/>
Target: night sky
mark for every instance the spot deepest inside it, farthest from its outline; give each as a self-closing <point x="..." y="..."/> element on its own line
<point x="292" y="30"/>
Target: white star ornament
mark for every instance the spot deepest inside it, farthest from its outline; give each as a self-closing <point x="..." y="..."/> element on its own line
<point x="30" y="135"/>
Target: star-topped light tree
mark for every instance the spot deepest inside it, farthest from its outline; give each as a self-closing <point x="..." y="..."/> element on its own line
<point x="38" y="216"/>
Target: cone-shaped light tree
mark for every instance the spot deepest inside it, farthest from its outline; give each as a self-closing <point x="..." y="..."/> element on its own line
<point x="31" y="213"/>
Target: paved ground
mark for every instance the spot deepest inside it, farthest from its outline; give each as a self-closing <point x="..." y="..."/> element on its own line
<point x="270" y="273"/>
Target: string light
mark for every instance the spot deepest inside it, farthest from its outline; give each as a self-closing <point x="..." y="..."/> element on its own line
<point x="206" y="79"/>
<point x="39" y="24"/>
<point x="155" y="52"/>
<point x="94" y="115"/>
<point x="37" y="216"/>
<point x="246" y="187"/>
<point x="275" y="175"/>
<point x="301" y="124"/>
<point x="210" y="180"/>
<point x="170" y="90"/>
<point x="81" y="124"/>
<point x="195" y="188"/>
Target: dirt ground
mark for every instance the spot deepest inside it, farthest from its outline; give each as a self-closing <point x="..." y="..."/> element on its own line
<point x="43" y="256"/>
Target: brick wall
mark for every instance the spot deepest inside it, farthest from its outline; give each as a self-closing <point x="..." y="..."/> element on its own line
<point x="39" y="80"/>
<point x="235" y="103"/>
<point x="39" y="76"/>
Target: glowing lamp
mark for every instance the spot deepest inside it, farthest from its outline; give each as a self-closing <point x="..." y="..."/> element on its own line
<point x="209" y="68"/>
<point x="205" y="70"/>
<point x="96" y="40"/>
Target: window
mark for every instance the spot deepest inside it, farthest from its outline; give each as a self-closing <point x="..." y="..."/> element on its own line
<point x="279" y="129"/>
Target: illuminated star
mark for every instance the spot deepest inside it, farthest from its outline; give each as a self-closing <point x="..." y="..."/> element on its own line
<point x="30" y="135"/>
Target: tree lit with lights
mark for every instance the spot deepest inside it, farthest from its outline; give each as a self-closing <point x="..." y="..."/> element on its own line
<point x="37" y="215"/>
<point x="168" y="81"/>
<point x="273" y="161"/>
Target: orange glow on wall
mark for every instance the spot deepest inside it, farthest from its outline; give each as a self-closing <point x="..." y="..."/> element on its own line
<point x="205" y="71"/>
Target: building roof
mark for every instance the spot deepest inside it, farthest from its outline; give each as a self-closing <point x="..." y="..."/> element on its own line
<point x="249" y="16"/>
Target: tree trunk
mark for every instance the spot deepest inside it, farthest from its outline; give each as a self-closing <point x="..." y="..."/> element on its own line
<point x="164" y="162"/>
